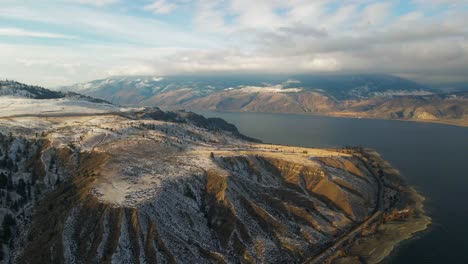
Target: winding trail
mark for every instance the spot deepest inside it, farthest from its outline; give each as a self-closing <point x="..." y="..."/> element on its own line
<point x="6" y="106"/>
<point x="100" y="142"/>
<point x="378" y="210"/>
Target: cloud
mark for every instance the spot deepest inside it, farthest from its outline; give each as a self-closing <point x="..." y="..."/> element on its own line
<point x="161" y="7"/>
<point x="210" y="16"/>
<point x="426" y="42"/>
<point x="18" y="32"/>
<point x="303" y="30"/>
<point x="98" y="3"/>
<point x="375" y="14"/>
<point x="106" y="26"/>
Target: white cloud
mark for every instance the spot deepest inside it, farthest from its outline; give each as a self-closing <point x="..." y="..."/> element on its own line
<point x="120" y="28"/>
<point x="375" y="14"/>
<point x="209" y="16"/>
<point x="98" y="3"/>
<point x="321" y="64"/>
<point x="275" y="36"/>
<point x="18" y="32"/>
<point x="161" y="7"/>
<point x="133" y="70"/>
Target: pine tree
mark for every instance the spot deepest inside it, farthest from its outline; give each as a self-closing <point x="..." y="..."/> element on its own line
<point x="3" y="181"/>
<point x="8" y="222"/>
<point x="10" y="181"/>
<point x="8" y="199"/>
<point x="15" y="207"/>
<point x="21" y="188"/>
<point x="28" y="188"/>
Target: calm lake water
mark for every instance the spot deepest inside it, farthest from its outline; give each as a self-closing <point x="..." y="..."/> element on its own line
<point x="431" y="157"/>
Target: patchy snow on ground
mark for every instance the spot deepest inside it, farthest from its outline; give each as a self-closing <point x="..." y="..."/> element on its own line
<point x="266" y="89"/>
<point x="11" y="106"/>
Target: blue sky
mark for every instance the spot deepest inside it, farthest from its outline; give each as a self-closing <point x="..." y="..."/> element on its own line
<point x="59" y="42"/>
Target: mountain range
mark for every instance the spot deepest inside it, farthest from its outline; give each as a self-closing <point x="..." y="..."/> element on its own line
<point x="364" y="95"/>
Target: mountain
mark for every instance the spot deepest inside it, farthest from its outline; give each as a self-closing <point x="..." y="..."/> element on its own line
<point x="180" y="89"/>
<point x="20" y="90"/>
<point x="366" y="95"/>
<point x="448" y="108"/>
<point x="92" y="182"/>
<point x="451" y="87"/>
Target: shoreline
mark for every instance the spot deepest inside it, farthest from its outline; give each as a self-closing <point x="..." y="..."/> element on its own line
<point x="382" y="245"/>
<point x="455" y="123"/>
<point x="386" y="235"/>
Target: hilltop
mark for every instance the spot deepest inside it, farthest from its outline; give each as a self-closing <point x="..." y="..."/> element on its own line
<point x="20" y="90"/>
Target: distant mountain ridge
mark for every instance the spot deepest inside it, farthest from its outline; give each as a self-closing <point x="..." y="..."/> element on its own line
<point x="17" y="89"/>
<point x="363" y="95"/>
<point x="144" y="90"/>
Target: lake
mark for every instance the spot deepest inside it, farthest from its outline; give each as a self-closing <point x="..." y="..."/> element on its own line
<point x="431" y="157"/>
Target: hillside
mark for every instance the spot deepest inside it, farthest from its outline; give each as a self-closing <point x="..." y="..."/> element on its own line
<point x="374" y="96"/>
<point x="145" y="90"/>
<point x="19" y="90"/>
<point x="443" y="108"/>
<point x="96" y="183"/>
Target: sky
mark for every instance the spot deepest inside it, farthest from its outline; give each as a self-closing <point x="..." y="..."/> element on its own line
<point x="61" y="42"/>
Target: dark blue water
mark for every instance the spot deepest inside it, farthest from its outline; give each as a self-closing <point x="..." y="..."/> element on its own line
<point x="433" y="158"/>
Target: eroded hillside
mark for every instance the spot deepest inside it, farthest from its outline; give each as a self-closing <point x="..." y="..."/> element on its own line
<point x="121" y="185"/>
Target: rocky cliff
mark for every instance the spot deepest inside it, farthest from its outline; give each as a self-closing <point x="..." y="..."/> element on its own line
<point x="122" y="185"/>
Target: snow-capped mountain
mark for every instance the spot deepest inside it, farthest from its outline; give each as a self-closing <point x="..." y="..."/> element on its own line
<point x="146" y="89"/>
<point x="375" y="96"/>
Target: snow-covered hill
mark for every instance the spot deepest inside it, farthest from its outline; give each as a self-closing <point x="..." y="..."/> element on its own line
<point x="90" y="182"/>
<point x="19" y="90"/>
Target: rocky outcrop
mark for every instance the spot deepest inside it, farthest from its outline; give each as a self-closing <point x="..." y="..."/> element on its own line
<point x="143" y="186"/>
<point x="256" y="209"/>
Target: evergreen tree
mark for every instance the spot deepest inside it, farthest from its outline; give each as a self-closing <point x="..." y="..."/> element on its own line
<point x="15" y="207"/>
<point x="8" y="199"/>
<point x="21" y="188"/>
<point x="28" y="188"/>
<point x="3" y="181"/>
<point x="34" y="177"/>
<point x="10" y="181"/>
<point x="8" y="222"/>
<point x="18" y="155"/>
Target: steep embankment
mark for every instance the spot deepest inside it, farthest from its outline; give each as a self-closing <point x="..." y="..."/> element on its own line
<point x="234" y="205"/>
<point x="138" y="190"/>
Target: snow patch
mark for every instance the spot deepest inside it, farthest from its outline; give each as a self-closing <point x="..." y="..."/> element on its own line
<point x="267" y="89"/>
